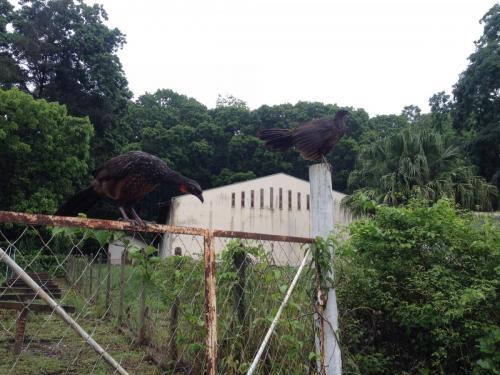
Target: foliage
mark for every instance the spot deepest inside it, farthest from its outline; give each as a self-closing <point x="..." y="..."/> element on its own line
<point x="227" y="177"/>
<point x="489" y="346"/>
<point x="52" y="264"/>
<point x="61" y="50"/>
<point x="44" y="153"/>
<point x="419" y="163"/>
<point x="322" y="259"/>
<point x="243" y="314"/>
<point x="441" y="112"/>
<point x="223" y="140"/>
<point x="477" y="96"/>
<point x="143" y="259"/>
<point x="9" y="74"/>
<point x="477" y="91"/>
<point x="249" y="292"/>
<point x="419" y="291"/>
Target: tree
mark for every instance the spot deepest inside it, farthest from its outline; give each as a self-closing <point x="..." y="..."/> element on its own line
<point x="477" y="97"/>
<point x="412" y="113"/>
<point x="381" y="126"/>
<point x="227" y="177"/>
<point x="176" y="128"/>
<point x="419" y="163"/>
<point x="64" y="52"/>
<point x="441" y="111"/>
<point x="9" y="72"/>
<point x="44" y="153"/>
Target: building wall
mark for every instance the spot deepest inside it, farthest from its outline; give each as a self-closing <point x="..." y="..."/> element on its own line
<point x="240" y="207"/>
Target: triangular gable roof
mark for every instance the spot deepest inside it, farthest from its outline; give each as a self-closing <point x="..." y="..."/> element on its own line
<point x="256" y="179"/>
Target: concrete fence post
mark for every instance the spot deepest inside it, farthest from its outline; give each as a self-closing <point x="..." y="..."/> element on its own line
<point x="327" y="347"/>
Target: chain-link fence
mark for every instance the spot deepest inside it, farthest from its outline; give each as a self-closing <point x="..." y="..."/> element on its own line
<point x="158" y="299"/>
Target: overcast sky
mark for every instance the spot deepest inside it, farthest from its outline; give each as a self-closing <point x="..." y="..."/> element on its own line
<point x="378" y="55"/>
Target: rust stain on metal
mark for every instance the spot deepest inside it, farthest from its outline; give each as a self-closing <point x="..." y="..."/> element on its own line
<point x="64" y="221"/>
<point x="261" y="236"/>
<point x="210" y="305"/>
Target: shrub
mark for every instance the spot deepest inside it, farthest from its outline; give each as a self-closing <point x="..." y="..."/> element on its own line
<point x="418" y="292"/>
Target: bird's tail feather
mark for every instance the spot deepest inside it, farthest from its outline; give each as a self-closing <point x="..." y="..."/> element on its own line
<point x="278" y="139"/>
<point x="80" y="202"/>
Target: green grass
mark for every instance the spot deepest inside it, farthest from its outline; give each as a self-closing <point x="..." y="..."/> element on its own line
<point x="51" y="347"/>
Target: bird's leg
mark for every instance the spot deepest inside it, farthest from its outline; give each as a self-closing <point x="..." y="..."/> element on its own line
<point x="124" y="214"/>
<point x="325" y="160"/>
<point x="137" y="219"/>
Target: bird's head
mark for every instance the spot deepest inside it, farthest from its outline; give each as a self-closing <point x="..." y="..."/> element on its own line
<point x="189" y="186"/>
<point x="340" y="118"/>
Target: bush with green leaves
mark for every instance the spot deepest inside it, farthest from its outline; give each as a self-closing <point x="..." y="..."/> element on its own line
<point x="418" y="290"/>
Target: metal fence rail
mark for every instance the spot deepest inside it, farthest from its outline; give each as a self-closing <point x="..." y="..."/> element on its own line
<point x="204" y="309"/>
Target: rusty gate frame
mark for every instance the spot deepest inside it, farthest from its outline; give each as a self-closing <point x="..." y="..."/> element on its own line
<point x="208" y="235"/>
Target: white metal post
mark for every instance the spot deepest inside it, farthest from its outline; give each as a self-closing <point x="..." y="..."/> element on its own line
<point x="320" y="179"/>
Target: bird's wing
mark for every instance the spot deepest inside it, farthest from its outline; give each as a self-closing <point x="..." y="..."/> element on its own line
<point x="121" y="166"/>
<point x="310" y="138"/>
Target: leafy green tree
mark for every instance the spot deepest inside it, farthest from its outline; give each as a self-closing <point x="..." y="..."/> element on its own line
<point x="477" y="97"/>
<point x="170" y="108"/>
<point x="418" y="292"/>
<point x="64" y="52"/>
<point x="412" y="113"/>
<point x="223" y="141"/>
<point x="176" y="128"/>
<point x="9" y="72"/>
<point x="383" y="125"/>
<point x="44" y="153"/>
<point x="226" y="177"/>
<point x="441" y="111"/>
<point x="419" y="163"/>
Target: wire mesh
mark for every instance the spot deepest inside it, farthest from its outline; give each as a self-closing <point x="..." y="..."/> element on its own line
<point x="252" y="279"/>
<point x="141" y="295"/>
<point x="134" y="310"/>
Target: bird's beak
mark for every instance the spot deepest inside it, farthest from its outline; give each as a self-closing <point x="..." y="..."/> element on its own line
<point x="199" y="196"/>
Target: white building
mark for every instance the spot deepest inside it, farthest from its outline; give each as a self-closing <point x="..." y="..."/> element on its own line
<point x="276" y="204"/>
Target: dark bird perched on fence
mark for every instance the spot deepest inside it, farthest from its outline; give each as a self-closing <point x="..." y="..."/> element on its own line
<point x="126" y="179"/>
<point x="313" y="139"/>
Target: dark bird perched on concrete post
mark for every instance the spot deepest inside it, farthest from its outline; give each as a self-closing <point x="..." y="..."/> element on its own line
<point x="126" y="179"/>
<point x="313" y="139"/>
